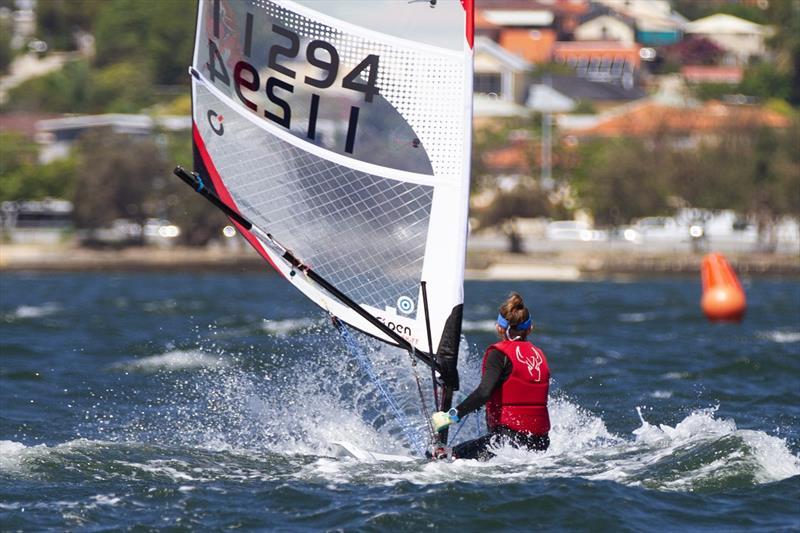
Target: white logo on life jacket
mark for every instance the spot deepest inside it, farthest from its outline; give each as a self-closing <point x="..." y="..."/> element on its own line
<point x="533" y="363"/>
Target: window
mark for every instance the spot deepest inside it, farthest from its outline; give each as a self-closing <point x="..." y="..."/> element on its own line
<point x="487" y="83"/>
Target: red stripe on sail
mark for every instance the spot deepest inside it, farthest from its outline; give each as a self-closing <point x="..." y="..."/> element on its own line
<point x="469" y="7"/>
<point x="225" y="196"/>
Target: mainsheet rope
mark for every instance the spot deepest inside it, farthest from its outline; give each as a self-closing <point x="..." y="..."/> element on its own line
<point x="366" y="366"/>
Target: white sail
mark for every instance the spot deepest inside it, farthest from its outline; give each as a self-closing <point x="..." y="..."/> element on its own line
<point x="343" y="130"/>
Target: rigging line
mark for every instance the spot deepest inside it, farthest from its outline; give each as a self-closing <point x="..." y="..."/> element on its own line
<point x="194" y="181"/>
<point x="460" y="427"/>
<point x="423" y="404"/>
<point x="424" y="286"/>
<point x="366" y="365"/>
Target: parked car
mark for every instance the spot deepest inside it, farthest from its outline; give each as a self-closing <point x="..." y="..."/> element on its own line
<point x="573" y="230"/>
<point x="657" y="229"/>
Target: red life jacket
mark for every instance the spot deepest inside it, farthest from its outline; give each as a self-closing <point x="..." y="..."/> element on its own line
<point x="520" y="403"/>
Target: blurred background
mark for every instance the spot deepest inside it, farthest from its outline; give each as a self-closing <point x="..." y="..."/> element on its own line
<point x="609" y="136"/>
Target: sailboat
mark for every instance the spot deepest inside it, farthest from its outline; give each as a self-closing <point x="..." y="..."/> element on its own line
<point x="336" y="137"/>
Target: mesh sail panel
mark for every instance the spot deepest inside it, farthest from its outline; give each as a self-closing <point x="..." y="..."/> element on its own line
<point x="342" y="129"/>
<point x="364" y="233"/>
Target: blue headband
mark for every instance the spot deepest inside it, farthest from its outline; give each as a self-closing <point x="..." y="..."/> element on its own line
<point x="519" y="327"/>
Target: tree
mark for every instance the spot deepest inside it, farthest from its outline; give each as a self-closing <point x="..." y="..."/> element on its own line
<point x="67" y="90"/>
<point x="115" y="176"/>
<point x="57" y="21"/>
<point x="24" y="179"/>
<point x="693" y="51"/>
<point x="6" y="53"/>
<point x="621" y="179"/>
<point x="785" y="17"/>
<point x="199" y="221"/>
<point x="157" y="36"/>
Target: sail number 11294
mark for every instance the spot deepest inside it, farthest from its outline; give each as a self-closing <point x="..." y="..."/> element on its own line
<point x="318" y="53"/>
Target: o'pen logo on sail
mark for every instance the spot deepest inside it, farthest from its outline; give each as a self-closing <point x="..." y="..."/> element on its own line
<point x="215" y="121"/>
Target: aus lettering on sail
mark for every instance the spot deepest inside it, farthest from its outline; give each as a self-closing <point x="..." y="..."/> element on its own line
<point x="534" y="362"/>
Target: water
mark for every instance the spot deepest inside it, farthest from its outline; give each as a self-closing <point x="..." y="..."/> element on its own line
<point x="210" y="401"/>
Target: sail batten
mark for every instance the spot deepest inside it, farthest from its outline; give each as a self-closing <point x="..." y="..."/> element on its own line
<point x="350" y="145"/>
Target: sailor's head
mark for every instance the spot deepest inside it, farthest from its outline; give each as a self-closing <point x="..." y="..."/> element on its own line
<point x="514" y="321"/>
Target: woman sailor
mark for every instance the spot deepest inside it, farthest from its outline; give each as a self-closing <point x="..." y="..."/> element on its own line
<point x="514" y="384"/>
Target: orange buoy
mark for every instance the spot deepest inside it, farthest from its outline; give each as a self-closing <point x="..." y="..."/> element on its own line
<point x="723" y="296"/>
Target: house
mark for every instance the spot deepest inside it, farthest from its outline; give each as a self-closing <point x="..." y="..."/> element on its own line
<point x="607" y="61"/>
<point x="740" y="38"/>
<point x="36" y="222"/>
<point x="501" y="80"/>
<point x="58" y="135"/>
<point x="602" y="94"/>
<point x="603" y="24"/>
<point x="559" y="15"/>
<point x="692" y="123"/>
<point x="519" y="14"/>
<point x="484" y="28"/>
<point x="656" y="22"/>
<point x="535" y="46"/>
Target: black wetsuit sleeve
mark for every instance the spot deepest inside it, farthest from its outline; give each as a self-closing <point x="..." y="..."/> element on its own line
<point x="498" y="368"/>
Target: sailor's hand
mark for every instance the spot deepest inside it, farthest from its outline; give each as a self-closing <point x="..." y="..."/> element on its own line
<point x="441" y="420"/>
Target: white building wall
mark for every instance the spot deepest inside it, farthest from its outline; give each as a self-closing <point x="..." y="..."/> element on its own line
<point x="605" y="28"/>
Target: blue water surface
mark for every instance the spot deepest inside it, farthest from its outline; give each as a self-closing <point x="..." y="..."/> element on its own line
<point x="213" y="401"/>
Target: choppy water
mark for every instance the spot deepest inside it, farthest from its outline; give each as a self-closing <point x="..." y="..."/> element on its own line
<point x="210" y="401"/>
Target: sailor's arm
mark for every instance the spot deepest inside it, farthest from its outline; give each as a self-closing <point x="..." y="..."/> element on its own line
<point x="495" y="367"/>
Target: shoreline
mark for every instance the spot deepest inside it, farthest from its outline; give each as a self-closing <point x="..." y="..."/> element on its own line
<point x="567" y="265"/>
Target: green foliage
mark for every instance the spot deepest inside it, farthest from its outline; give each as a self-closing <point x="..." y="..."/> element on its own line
<point x="140" y="45"/>
<point x="119" y="176"/>
<point x="693" y="9"/>
<point x="585" y="107"/>
<point x="784" y="15"/>
<point x="525" y="201"/>
<point x="6" y="53"/>
<point x="115" y="178"/>
<point x="16" y="151"/>
<point x="621" y="179"/>
<point x="24" y="179"/>
<point x="58" y="20"/>
<point x="713" y="91"/>
<point x="494" y="136"/>
<point x="762" y="80"/>
<point x="158" y="32"/>
<point x="123" y="87"/>
<point x="36" y="182"/>
<point x="752" y="171"/>
<point x="67" y="90"/>
<point x="120" y="88"/>
<point x="765" y="80"/>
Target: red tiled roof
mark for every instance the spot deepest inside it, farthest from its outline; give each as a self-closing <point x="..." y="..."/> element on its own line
<point x="515" y="157"/>
<point x="535" y="46"/>
<point x="23" y="123"/>
<point x="712" y="74"/>
<point x="650" y="118"/>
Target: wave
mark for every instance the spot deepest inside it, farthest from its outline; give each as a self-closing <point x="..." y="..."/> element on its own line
<point x="283" y="328"/>
<point x="24" y="312"/>
<point x="636" y="317"/>
<point x="477" y="326"/>
<point x="173" y="360"/>
<point x="782" y="337"/>
<point x="227" y="421"/>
